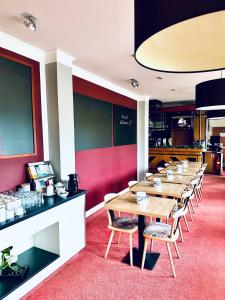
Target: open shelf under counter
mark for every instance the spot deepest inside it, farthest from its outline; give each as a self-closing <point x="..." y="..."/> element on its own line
<point x="37" y="259"/>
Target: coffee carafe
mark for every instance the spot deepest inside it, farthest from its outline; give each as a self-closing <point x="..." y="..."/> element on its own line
<point x="73" y="184"/>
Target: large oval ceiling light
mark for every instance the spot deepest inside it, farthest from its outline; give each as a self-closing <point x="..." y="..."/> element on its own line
<point x="180" y="36"/>
<point x="210" y="95"/>
<point x="216" y="114"/>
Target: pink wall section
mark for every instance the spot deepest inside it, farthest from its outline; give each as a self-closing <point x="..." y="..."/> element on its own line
<point x="105" y="170"/>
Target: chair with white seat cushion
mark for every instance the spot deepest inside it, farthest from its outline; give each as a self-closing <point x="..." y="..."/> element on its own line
<point x="148" y="175"/>
<point x="165" y="233"/>
<point x="132" y="182"/>
<point x="160" y="169"/>
<point x="199" y="187"/>
<point x="194" y="184"/>
<point x="121" y="225"/>
<point x="184" y="202"/>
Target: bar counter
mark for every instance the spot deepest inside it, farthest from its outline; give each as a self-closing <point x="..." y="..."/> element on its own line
<point x="158" y="156"/>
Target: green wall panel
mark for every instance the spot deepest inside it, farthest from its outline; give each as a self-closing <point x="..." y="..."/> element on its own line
<point x="16" y="123"/>
<point x="125" y="125"/>
<point x="93" y="123"/>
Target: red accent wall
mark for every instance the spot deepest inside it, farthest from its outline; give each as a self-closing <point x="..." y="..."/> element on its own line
<point x="104" y="170"/>
<point x="12" y="170"/>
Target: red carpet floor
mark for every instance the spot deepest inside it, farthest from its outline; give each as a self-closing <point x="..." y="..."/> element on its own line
<point x="200" y="271"/>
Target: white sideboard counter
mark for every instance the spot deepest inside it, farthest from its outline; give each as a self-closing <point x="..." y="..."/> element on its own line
<point x="45" y="238"/>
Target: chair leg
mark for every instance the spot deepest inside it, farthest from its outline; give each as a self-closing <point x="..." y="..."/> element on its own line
<point x="171" y="259"/>
<point x="192" y="207"/>
<point x="131" y="251"/>
<point x="176" y="248"/>
<point x="186" y="223"/>
<point x="181" y="233"/>
<point x="151" y="245"/>
<point x="119" y="237"/>
<point x="109" y="243"/>
<point x="189" y="211"/>
<point x="144" y="254"/>
<point x="197" y="197"/>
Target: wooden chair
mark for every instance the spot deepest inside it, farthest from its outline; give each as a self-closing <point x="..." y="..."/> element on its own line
<point x="166" y="165"/>
<point x="148" y="175"/>
<point x="194" y="184"/>
<point x="160" y="169"/>
<point x="132" y="182"/>
<point x="200" y="175"/>
<point x="165" y="233"/>
<point x="198" y="187"/>
<point x="184" y="202"/>
<point x="126" y="225"/>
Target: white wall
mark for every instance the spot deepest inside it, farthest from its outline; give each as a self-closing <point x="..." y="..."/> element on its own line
<point x="142" y="137"/>
<point x="216" y="123"/>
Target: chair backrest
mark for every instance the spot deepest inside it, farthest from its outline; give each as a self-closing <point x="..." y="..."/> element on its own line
<point x="187" y="194"/>
<point x="159" y="169"/>
<point x="200" y="174"/>
<point x="132" y="182"/>
<point x="186" y="197"/>
<point x="176" y="219"/>
<point x="148" y="175"/>
<point x="110" y="214"/>
<point x="194" y="181"/>
<point x="109" y="196"/>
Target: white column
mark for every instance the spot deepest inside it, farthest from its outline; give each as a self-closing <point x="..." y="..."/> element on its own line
<point x="60" y="112"/>
<point x="142" y="137"/>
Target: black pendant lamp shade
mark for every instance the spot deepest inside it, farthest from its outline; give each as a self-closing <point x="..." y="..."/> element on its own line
<point x="210" y="95"/>
<point x="216" y="114"/>
<point x="180" y="35"/>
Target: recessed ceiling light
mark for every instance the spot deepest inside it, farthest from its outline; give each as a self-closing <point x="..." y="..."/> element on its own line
<point x="30" y="21"/>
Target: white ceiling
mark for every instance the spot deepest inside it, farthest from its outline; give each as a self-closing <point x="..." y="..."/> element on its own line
<point x="100" y="34"/>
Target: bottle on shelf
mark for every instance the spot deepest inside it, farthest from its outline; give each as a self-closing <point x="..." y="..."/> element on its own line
<point x="32" y="185"/>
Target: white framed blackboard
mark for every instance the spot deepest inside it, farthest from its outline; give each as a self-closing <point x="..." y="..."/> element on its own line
<point x="125" y="125"/>
<point x="16" y="113"/>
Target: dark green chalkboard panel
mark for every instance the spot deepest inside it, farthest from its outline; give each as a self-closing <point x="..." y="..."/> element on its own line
<point x="125" y="125"/>
<point x="93" y="123"/>
<point x="16" y="123"/>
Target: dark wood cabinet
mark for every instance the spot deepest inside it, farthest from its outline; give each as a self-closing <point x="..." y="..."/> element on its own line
<point x="199" y="128"/>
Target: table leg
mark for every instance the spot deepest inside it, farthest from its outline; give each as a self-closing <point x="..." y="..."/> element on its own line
<point x="141" y="227"/>
<point x="151" y="258"/>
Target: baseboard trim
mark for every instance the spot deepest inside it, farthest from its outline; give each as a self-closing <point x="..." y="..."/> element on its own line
<point x="101" y="205"/>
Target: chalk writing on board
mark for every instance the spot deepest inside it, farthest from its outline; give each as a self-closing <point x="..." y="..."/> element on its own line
<point x="124" y="120"/>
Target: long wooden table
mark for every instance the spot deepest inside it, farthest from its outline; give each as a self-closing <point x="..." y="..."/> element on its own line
<point x="177" y="179"/>
<point x="153" y="207"/>
<point x="165" y="189"/>
<point x="191" y="164"/>
<point x="185" y="171"/>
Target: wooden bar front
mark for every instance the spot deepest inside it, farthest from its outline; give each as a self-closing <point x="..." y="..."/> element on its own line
<point x="158" y="156"/>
